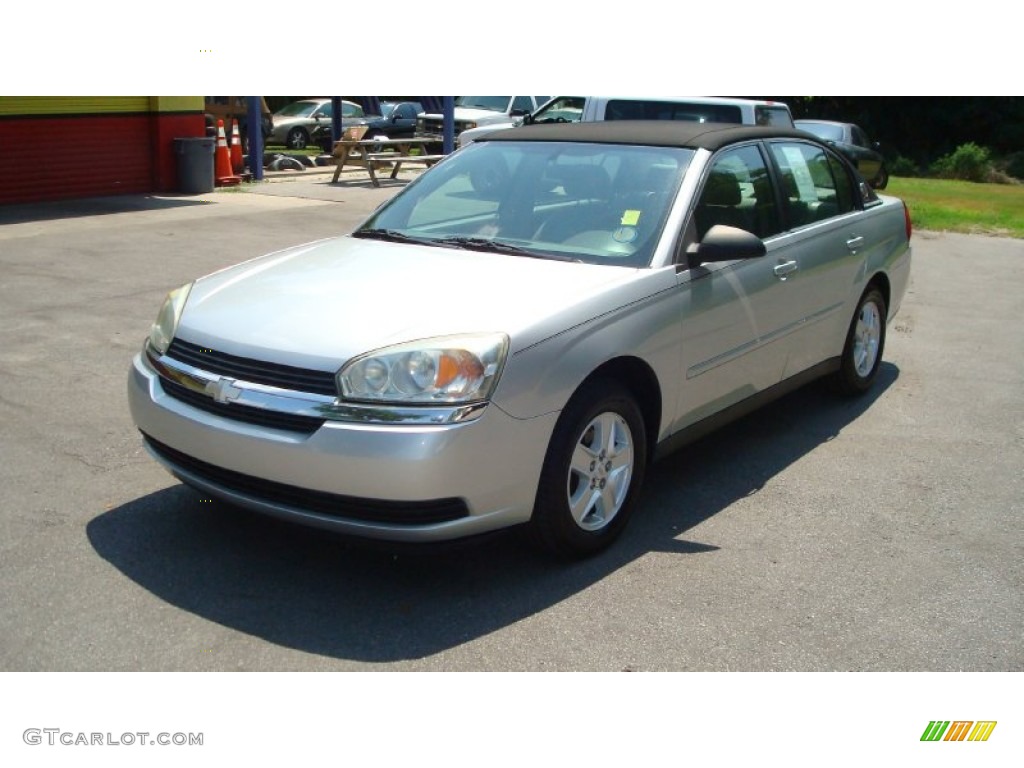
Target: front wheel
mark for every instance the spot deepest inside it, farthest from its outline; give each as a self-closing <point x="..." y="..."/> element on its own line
<point x="592" y="472"/>
<point x="297" y="139"/>
<point x="865" y="341"/>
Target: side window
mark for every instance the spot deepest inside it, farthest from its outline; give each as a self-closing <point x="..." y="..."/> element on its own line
<point x="541" y="99"/>
<point x="566" y="109"/>
<point x="844" y="184"/>
<point x="522" y="103"/>
<point x="776" y="116"/>
<point x="738" y="193"/>
<point x="628" y="109"/>
<point x="859" y="138"/>
<point x="808" y="184"/>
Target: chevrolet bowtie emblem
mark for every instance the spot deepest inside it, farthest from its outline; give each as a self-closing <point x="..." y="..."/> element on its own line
<point x="223" y="390"/>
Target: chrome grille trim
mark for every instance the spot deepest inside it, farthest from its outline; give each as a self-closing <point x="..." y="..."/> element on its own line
<point x="254" y="396"/>
<point x="285" y="377"/>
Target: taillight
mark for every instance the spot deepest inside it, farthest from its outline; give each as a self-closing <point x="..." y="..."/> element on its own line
<point x="906" y="218"/>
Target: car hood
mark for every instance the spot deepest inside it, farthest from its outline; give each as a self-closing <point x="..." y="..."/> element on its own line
<point x="320" y="304"/>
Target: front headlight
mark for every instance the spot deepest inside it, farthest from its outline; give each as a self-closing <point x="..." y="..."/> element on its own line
<point x="446" y="370"/>
<point x="162" y="332"/>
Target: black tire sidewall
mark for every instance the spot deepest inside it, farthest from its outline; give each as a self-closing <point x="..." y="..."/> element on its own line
<point x="296" y="133"/>
<point x="847" y="380"/>
<point x="552" y="523"/>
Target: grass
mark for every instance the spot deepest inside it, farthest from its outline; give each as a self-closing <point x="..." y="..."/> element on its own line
<point x="962" y="206"/>
<point x="312" y="150"/>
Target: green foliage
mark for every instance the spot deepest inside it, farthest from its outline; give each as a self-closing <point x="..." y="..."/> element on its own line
<point x="1014" y="165"/>
<point x="903" y="166"/>
<point x="961" y="206"/>
<point x="968" y="162"/>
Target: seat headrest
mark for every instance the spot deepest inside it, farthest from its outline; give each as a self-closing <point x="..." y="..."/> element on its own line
<point x="590" y="181"/>
<point x="722" y="188"/>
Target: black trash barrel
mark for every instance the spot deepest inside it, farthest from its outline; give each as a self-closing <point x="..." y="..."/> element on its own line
<point x="195" y="164"/>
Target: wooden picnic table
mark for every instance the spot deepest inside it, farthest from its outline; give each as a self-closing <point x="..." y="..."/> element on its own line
<point x="373" y="153"/>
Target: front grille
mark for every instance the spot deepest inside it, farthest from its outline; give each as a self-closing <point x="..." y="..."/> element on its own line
<point x="256" y="371"/>
<point x="432" y="127"/>
<point x="238" y="412"/>
<point x="321" y="502"/>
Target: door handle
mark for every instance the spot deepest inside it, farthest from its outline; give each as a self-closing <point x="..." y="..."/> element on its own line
<point x="854" y="243"/>
<point x="784" y="268"/>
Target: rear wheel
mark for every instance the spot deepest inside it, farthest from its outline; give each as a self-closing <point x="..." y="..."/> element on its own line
<point x="865" y="342"/>
<point x="592" y="472"/>
<point x="882" y="180"/>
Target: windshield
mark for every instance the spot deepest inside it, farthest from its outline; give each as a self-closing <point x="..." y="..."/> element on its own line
<point x="593" y="203"/>
<point x="822" y="130"/>
<point x="494" y="103"/>
<point x="298" y="109"/>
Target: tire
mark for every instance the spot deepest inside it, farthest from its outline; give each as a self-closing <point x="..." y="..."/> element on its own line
<point x="592" y="472"/>
<point x="297" y="138"/>
<point x="865" y="342"/>
<point x="882" y="180"/>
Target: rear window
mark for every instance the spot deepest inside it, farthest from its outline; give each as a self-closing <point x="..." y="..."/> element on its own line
<point x="774" y="116"/>
<point x="672" y="110"/>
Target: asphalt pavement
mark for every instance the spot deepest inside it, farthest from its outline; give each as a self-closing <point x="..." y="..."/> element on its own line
<point x="818" y="534"/>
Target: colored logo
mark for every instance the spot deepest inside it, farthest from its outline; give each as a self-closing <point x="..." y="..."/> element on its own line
<point x="958" y="730"/>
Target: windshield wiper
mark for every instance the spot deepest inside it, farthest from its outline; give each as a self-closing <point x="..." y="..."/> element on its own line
<point x="485" y="244"/>
<point x="392" y="235"/>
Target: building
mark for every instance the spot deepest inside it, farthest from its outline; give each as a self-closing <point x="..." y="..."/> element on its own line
<point x="59" y="147"/>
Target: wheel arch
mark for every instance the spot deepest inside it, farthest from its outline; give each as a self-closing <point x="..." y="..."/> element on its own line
<point x="641" y="381"/>
<point x="880" y="280"/>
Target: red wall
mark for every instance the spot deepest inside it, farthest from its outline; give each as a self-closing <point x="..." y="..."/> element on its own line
<point x="52" y="158"/>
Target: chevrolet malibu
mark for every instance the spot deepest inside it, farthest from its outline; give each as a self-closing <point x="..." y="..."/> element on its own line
<point x="514" y="336"/>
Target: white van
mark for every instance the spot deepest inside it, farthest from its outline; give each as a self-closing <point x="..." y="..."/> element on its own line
<point x="701" y="109"/>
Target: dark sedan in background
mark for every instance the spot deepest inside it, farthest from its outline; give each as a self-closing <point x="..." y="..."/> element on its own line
<point x="396" y="121"/>
<point x="854" y="143"/>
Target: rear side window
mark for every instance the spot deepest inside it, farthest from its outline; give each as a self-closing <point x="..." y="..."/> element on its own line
<point x="811" y="191"/>
<point x="844" y="184"/>
<point x="627" y="109"/>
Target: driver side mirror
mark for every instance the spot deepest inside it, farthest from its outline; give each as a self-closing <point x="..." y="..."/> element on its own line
<point x="723" y="243"/>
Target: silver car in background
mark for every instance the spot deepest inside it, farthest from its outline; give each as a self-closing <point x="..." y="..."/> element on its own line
<point x="516" y="334"/>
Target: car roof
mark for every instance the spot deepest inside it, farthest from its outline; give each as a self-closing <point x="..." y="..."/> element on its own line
<point x="661" y="133"/>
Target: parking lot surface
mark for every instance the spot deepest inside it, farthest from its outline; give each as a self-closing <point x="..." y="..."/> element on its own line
<point x="818" y="534"/>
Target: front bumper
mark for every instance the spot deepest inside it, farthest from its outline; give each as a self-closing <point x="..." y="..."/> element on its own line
<point x="399" y="482"/>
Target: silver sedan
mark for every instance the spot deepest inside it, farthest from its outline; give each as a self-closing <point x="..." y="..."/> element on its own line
<point x="519" y="332"/>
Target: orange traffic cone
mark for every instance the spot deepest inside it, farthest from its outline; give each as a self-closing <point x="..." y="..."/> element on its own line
<point x="222" y="172"/>
<point x="237" y="162"/>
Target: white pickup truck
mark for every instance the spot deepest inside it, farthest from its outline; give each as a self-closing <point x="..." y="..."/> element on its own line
<point x="585" y="109"/>
<point x="475" y="111"/>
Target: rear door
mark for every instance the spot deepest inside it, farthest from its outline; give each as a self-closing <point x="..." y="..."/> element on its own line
<point x="826" y="241"/>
